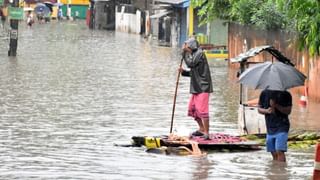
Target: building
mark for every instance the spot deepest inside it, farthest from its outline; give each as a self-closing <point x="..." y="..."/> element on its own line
<point x="102" y="14"/>
<point x="169" y="24"/>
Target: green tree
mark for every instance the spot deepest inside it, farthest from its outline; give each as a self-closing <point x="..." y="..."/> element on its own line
<point x="243" y="10"/>
<point x="211" y="9"/>
<point x="305" y="16"/>
<point x="268" y="16"/>
<point x="300" y="16"/>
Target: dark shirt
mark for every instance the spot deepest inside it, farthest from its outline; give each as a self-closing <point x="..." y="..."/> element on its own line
<point x="277" y="121"/>
<point x="199" y="72"/>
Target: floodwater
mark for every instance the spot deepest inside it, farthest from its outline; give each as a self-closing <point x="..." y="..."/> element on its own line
<point x="71" y="94"/>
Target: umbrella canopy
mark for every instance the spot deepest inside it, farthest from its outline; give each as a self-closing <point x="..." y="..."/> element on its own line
<point x="41" y="9"/>
<point x="273" y="76"/>
<point x="49" y="5"/>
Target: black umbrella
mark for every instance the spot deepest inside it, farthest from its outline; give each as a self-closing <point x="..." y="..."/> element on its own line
<point x="273" y="76"/>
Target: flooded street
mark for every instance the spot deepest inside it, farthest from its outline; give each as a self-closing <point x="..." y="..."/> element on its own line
<point x="71" y="94"/>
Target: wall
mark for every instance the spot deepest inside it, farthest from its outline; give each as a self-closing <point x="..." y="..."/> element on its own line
<point x="82" y="9"/>
<point x="196" y="21"/>
<point x="128" y="22"/>
<point x="285" y="43"/>
<point x="183" y="25"/>
<point x="145" y="5"/>
<point x="218" y="33"/>
<point x="104" y="15"/>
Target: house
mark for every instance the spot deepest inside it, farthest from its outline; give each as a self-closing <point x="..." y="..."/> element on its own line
<point x="169" y="23"/>
<point x="132" y="16"/>
<point x="102" y="14"/>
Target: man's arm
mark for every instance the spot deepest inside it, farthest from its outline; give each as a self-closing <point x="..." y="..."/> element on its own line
<point x="285" y="106"/>
<point x="283" y="109"/>
<point x="185" y="72"/>
<point x="264" y="111"/>
<point x="263" y="107"/>
<point x="191" y="59"/>
<point x="188" y="59"/>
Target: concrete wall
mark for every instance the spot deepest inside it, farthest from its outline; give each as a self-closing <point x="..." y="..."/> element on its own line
<point x="218" y="34"/>
<point x="127" y="22"/>
<point x="145" y="5"/>
<point x="104" y="15"/>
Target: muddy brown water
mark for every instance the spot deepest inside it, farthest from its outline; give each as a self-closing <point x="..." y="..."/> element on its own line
<point x="71" y="93"/>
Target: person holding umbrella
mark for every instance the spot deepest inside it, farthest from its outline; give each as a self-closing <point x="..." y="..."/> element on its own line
<point x="275" y="102"/>
<point x="276" y="106"/>
<point x="200" y="85"/>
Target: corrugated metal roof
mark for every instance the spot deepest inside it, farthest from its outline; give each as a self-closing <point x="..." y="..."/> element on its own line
<point x="256" y="50"/>
<point x="161" y="14"/>
<point x="250" y="53"/>
<point x="172" y="1"/>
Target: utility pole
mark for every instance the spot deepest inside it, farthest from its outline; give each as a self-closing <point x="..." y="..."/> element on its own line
<point x="92" y="14"/>
<point x="14" y="23"/>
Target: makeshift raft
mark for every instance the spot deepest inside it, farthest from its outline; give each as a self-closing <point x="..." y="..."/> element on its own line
<point x="217" y="141"/>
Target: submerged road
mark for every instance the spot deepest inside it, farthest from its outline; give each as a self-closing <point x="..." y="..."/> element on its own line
<point x="71" y="93"/>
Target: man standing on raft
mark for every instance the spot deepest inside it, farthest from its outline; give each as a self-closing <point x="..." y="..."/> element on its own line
<point x="200" y="85"/>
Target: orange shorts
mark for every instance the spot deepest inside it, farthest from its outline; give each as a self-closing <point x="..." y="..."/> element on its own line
<point x="199" y="106"/>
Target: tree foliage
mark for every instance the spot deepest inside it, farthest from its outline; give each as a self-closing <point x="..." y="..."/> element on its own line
<point x="243" y="10"/>
<point x="301" y="16"/>
<point x="305" y="15"/>
<point x="268" y="16"/>
<point x="209" y="11"/>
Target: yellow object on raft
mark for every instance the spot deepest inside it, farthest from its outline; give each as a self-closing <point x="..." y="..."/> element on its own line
<point x="152" y="142"/>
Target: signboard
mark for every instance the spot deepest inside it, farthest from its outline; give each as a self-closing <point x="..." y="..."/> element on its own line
<point x="15" y="13"/>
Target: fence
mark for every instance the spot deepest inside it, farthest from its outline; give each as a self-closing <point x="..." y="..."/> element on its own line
<point x="242" y="38"/>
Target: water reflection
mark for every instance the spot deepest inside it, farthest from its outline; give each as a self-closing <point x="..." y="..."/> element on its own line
<point x="203" y="166"/>
<point x="71" y="93"/>
<point x="276" y="170"/>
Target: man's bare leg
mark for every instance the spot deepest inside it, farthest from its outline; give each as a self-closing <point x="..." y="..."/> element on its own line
<point x="205" y="122"/>
<point x="281" y="156"/>
<point x="274" y="156"/>
<point x="201" y="126"/>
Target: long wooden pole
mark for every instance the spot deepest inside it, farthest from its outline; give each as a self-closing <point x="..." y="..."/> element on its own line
<point x="175" y="95"/>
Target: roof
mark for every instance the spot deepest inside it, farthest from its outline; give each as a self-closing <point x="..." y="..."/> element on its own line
<point x="172" y="1"/>
<point x="257" y="50"/>
<point x="161" y="14"/>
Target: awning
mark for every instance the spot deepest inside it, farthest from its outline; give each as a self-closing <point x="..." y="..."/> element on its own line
<point x="250" y="53"/>
<point x="257" y="50"/>
<point x="159" y="15"/>
<point x="172" y="1"/>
